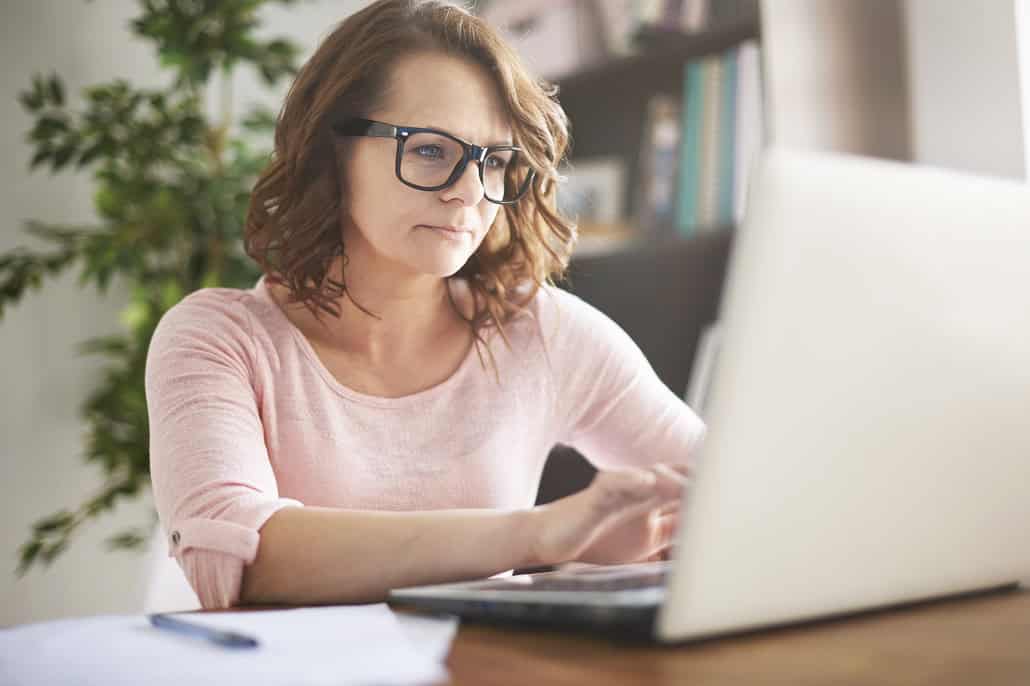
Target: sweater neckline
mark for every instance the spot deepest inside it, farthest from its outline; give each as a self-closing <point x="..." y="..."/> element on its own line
<point x="424" y="396"/>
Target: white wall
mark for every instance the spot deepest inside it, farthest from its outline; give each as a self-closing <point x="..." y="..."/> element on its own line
<point x="835" y="76"/>
<point x="43" y="380"/>
<point x="1023" y="50"/>
<point x="965" y="85"/>
<point x="934" y="81"/>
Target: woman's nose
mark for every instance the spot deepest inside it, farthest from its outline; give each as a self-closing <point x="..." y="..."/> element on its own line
<point x="468" y="187"/>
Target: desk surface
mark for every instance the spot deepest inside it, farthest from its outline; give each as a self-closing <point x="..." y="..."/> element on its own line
<point x="970" y="641"/>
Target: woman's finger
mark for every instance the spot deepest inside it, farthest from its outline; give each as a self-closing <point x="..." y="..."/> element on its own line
<point x="681" y="469"/>
<point x="666" y="525"/>
<point x="670" y="482"/>
<point x="671" y="508"/>
<point x="663" y="534"/>
<point x="624" y="494"/>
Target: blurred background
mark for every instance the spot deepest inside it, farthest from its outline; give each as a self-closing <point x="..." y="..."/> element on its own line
<point x="669" y="102"/>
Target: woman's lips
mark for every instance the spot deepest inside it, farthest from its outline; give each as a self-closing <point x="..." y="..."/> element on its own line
<point x="451" y="232"/>
<point x="452" y="229"/>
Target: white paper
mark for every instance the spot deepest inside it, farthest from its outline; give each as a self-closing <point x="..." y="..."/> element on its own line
<point x="429" y="635"/>
<point x="364" y="644"/>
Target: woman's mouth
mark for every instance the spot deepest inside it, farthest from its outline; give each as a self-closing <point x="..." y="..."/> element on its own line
<point x="453" y="233"/>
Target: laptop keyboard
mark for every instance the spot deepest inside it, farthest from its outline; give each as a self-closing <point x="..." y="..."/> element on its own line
<point x="593" y="581"/>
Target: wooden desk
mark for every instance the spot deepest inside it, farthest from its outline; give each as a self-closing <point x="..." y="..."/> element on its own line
<point x="969" y="642"/>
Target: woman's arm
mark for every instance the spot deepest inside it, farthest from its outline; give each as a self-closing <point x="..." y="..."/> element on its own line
<point x="319" y="555"/>
<point x="616" y="411"/>
<point x="611" y="404"/>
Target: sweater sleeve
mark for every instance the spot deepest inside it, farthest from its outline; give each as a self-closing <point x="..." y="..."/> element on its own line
<point x="213" y="483"/>
<point x="611" y="405"/>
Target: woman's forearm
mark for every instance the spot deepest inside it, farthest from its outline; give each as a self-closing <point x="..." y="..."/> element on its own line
<point x="313" y="555"/>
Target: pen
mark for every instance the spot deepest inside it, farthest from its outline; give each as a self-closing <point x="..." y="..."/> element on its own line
<point x="229" y="639"/>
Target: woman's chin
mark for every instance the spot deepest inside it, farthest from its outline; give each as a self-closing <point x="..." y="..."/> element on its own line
<point x="444" y="257"/>
<point x="438" y="263"/>
<point x="445" y="269"/>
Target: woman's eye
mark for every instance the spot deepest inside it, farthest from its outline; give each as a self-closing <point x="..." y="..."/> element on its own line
<point x="496" y="162"/>
<point x="433" y="152"/>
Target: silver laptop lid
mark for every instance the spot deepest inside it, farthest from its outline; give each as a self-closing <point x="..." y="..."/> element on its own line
<point x="869" y="418"/>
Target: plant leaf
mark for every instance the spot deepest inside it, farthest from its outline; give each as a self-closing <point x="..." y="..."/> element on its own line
<point x="171" y="198"/>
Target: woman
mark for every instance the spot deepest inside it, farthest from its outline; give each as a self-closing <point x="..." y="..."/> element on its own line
<point x="377" y="411"/>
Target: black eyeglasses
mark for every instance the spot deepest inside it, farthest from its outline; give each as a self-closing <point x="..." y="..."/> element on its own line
<point x="431" y="160"/>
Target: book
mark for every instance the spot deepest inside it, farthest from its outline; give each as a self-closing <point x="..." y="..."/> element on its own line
<point x="619" y="21"/>
<point x="672" y="11"/>
<point x="727" y="140"/>
<point x="694" y="15"/>
<point x="649" y="12"/>
<point x="659" y="164"/>
<point x="708" y="179"/>
<point x="690" y="148"/>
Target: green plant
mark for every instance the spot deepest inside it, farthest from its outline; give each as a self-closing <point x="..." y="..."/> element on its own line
<point x="172" y="189"/>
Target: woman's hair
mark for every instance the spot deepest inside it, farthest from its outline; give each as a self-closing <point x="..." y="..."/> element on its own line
<point x="293" y="224"/>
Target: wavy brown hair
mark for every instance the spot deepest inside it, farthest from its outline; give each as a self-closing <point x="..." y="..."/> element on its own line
<point x="293" y="225"/>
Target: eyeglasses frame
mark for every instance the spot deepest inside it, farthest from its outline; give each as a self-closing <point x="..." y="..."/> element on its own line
<point x="358" y="126"/>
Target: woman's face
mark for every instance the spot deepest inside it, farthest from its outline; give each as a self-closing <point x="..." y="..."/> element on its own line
<point x="403" y="229"/>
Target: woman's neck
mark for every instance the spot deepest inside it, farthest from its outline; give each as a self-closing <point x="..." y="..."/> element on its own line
<point x="411" y="316"/>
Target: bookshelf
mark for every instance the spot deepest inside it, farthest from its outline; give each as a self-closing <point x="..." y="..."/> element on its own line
<point x="607" y="105"/>
<point x="659" y="65"/>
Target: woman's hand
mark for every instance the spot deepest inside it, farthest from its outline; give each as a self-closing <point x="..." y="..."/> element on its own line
<point x="645" y="538"/>
<point x="622" y="516"/>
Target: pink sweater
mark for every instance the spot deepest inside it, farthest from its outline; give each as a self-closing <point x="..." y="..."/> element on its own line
<point x="245" y="420"/>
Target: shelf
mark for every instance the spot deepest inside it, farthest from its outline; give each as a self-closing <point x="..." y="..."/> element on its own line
<point x="597" y="246"/>
<point x="594" y="246"/>
<point x="669" y="51"/>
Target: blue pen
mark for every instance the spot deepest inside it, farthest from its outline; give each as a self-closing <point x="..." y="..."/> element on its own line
<point x="229" y="639"/>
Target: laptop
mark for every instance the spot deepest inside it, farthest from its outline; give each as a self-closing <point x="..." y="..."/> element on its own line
<point x="868" y="416"/>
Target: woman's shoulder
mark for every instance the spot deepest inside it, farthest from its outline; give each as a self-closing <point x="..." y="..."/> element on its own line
<point x="561" y="312"/>
<point x="562" y="326"/>
<point x="217" y="310"/>
<point x="576" y="331"/>
<point x="224" y="317"/>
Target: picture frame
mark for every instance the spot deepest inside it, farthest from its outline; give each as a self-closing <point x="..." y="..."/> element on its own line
<point x="592" y="192"/>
